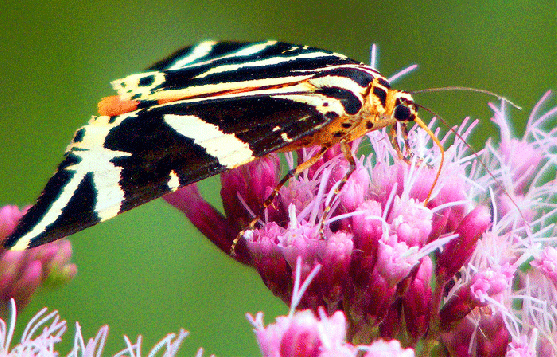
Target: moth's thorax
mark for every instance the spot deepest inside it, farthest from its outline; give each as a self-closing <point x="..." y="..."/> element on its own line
<point x="384" y="106"/>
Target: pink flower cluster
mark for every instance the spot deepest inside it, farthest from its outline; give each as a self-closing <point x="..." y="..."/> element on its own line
<point x="455" y="275"/>
<point x="45" y="331"/>
<point x="303" y="333"/>
<point x="22" y="273"/>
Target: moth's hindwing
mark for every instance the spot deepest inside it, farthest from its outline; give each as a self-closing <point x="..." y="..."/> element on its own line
<point x="203" y="110"/>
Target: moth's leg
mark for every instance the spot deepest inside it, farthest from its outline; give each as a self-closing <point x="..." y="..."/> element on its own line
<point x="407" y="151"/>
<point x="407" y="155"/>
<point x="294" y="172"/>
<point x="269" y="200"/>
<point x="347" y="151"/>
<point x="420" y="161"/>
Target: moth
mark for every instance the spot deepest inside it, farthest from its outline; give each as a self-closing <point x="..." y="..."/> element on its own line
<point x="205" y="109"/>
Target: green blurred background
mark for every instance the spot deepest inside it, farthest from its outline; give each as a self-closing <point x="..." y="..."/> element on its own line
<point x="149" y="271"/>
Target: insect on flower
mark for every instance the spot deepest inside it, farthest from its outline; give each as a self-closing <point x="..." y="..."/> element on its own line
<point x="203" y="110"/>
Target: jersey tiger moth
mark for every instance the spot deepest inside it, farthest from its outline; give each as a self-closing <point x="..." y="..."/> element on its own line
<point x="203" y="110"/>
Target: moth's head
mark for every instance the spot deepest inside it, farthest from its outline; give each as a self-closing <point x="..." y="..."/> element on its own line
<point x="389" y="106"/>
<point x="403" y="107"/>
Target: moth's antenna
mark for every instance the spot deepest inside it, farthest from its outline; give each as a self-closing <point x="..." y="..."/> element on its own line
<point x="444" y="122"/>
<point x="475" y="154"/>
<point x="470" y="89"/>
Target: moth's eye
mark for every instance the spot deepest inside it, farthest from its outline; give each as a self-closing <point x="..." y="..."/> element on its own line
<point x="404" y="113"/>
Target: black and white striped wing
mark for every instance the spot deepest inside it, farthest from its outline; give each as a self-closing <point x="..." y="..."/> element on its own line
<point x="117" y="163"/>
<point x="216" y="68"/>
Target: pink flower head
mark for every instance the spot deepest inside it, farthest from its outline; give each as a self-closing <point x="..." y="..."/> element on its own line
<point x="21" y="273"/>
<point x="305" y="333"/>
<point x="392" y="348"/>
<point x="9" y="216"/>
<point x="45" y="331"/>
<point x="525" y="346"/>
<point x="418" y="300"/>
<point x="480" y="334"/>
<point x="411" y="221"/>
<point x="494" y="280"/>
<point x="547" y="263"/>
<point x="491" y="283"/>
<point x="459" y="251"/>
<point x="394" y="260"/>
<point x="386" y="258"/>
